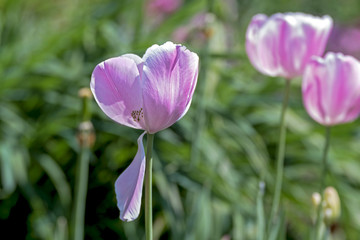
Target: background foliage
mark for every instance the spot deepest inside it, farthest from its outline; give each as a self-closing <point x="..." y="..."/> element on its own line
<point x="207" y="167"/>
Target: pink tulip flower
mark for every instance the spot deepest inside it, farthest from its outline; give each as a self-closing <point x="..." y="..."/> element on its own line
<point x="164" y="6"/>
<point x="149" y="93"/>
<point x="282" y="44"/>
<point x="331" y="89"/>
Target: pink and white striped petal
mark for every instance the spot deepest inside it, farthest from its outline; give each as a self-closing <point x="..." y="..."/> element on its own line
<point x="170" y="76"/>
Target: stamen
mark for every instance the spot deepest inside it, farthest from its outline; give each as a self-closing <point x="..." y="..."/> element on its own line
<point x="136" y="115"/>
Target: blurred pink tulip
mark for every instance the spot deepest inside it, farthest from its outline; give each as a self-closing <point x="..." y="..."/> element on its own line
<point x="345" y="39"/>
<point x="157" y="11"/>
<point x="331" y="89"/>
<point x="282" y="44"/>
<point x="149" y="93"/>
<point x="164" y="6"/>
<point x="198" y="30"/>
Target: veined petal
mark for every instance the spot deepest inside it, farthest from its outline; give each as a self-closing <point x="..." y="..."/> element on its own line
<point x="308" y="39"/>
<point x="169" y="79"/>
<point x="331" y="89"/>
<point x="128" y="186"/>
<point x="116" y="85"/>
<point x="263" y="44"/>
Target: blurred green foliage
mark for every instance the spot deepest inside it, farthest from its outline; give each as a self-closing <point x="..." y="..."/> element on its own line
<point x="202" y="190"/>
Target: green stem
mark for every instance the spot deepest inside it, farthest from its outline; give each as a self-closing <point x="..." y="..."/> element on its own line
<point x="148" y="187"/>
<point x="327" y="233"/>
<point x="82" y="173"/>
<point x="260" y="212"/>
<point x="319" y="215"/>
<point x="280" y="157"/>
<point x="139" y="16"/>
<point x="80" y="193"/>
<point x="200" y="120"/>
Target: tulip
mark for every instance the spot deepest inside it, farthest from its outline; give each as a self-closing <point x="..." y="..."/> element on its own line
<point x="197" y="31"/>
<point x="331" y="96"/>
<point x="164" y="6"/>
<point x="157" y="11"/>
<point x="331" y="89"/>
<point x="282" y="44"/>
<point x="86" y="139"/>
<point x="149" y="93"/>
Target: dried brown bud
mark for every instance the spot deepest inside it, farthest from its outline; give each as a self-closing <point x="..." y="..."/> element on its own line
<point x="86" y="134"/>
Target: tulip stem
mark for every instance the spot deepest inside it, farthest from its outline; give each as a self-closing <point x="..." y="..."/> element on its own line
<point x="319" y="215"/>
<point x="327" y="233"/>
<point x="80" y="193"/>
<point x="260" y="218"/>
<point x="280" y="157"/>
<point x="82" y="173"/>
<point x="148" y="187"/>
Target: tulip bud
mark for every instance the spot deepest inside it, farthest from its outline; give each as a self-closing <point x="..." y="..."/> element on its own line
<point x="316" y="199"/>
<point x="331" y="205"/>
<point x="85" y="93"/>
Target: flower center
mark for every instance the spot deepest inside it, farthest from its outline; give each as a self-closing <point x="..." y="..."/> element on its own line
<point x="136" y="115"/>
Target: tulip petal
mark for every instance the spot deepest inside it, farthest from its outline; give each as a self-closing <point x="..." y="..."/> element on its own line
<point x="169" y="79"/>
<point x="317" y="32"/>
<point x="331" y="89"/>
<point x="304" y="36"/>
<point x="344" y="85"/>
<point x="116" y="85"/>
<point x="128" y="186"/>
<point x="252" y="39"/>
<point x="312" y="90"/>
<point x="263" y="44"/>
<point x="282" y="44"/>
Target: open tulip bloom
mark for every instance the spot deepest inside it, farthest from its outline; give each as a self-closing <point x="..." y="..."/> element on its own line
<point x="280" y="46"/>
<point x="149" y="93"/>
<point x="331" y="96"/>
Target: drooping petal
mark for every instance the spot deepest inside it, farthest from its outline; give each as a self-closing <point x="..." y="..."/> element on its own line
<point x="169" y="79"/>
<point x="128" y="186"/>
<point x="282" y="44"/>
<point x="117" y="88"/>
<point x="331" y="89"/>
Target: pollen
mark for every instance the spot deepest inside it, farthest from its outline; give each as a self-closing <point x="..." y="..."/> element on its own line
<point x="137" y="115"/>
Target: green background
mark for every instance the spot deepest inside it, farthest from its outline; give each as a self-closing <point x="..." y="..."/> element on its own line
<point x="207" y="166"/>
